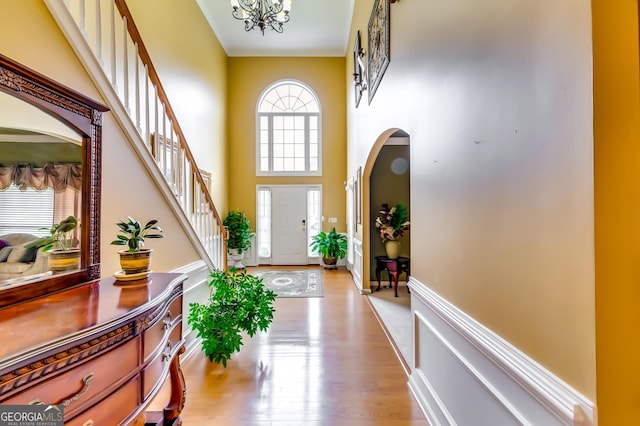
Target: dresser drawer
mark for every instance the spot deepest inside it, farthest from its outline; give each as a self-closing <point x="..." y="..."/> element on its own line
<point x="113" y="410"/>
<point x="156" y="334"/>
<point x="159" y="365"/>
<point x="80" y="384"/>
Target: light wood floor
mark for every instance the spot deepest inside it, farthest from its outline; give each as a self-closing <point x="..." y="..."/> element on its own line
<point x="324" y="361"/>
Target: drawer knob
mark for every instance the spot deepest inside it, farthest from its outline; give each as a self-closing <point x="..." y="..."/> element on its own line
<point x="166" y="322"/>
<point x="166" y="355"/>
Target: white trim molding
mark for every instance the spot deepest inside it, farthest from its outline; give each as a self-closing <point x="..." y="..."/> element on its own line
<point x="465" y="374"/>
<point x="356" y="270"/>
<point x="196" y="289"/>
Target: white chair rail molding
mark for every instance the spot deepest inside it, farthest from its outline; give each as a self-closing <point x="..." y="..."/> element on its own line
<point x="480" y="379"/>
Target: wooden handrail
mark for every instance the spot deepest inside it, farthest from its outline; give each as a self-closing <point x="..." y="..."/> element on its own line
<point x="186" y="190"/>
<point x="153" y="76"/>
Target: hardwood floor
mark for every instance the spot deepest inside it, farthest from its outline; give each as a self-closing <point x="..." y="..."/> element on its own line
<point x="324" y="361"/>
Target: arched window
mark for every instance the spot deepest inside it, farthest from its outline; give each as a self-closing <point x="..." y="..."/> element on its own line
<point x="288" y="130"/>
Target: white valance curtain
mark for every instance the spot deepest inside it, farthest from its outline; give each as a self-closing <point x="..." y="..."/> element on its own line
<point x="58" y="177"/>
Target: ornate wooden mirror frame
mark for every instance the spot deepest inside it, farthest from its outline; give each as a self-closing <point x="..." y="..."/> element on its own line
<point x="84" y="115"/>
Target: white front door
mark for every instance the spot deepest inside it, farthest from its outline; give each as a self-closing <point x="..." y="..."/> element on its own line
<point x="289" y="225"/>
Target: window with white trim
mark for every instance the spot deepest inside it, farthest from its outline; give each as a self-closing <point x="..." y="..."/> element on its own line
<point x="264" y="222"/>
<point x="288" y="131"/>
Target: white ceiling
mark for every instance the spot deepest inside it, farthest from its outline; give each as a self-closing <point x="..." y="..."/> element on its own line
<point x="316" y="28"/>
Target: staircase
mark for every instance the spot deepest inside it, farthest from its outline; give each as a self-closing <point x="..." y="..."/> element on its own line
<point x="106" y="40"/>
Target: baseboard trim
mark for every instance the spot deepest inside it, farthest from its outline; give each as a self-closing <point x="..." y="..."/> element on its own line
<point x="507" y="384"/>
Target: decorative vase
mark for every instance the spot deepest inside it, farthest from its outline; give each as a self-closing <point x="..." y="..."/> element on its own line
<point x="330" y="262"/>
<point x="392" y="247"/>
<point x="136" y="262"/>
<point x="235" y="259"/>
<point x="64" y="260"/>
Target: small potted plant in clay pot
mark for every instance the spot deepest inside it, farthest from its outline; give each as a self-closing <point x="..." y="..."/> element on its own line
<point x="135" y="260"/>
<point x="61" y="245"/>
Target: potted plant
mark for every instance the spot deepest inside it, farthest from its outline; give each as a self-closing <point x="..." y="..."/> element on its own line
<point x="332" y="246"/>
<point x="238" y="303"/>
<point x="392" y="223"/>
<point x="61" y="245"/>
<point x="135" y="259"/>
<point x="239" y="234"/>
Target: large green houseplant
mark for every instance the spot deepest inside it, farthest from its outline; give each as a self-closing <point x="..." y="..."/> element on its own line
<point x="331" y="246"/>
<point x="135" y="259"/>
<point x="239" y="237"/>
<point x="238" y="303"/>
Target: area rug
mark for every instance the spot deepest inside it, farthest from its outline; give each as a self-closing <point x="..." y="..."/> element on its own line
<point x="293" y="283"/>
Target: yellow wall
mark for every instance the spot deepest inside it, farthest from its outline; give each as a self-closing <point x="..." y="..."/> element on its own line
<point x="503" y="228"/>
<point x="192" y="66"/>
<point x="497" y="100"/>
<point x="248" y="78"/>
<point x="32" y="38"/>
<point x="617" y="210"/>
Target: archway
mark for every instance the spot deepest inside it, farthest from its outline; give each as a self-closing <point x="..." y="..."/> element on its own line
<point x="370" y="248"/>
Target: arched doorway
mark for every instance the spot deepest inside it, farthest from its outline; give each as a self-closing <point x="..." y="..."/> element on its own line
<point x="386" y="155"/>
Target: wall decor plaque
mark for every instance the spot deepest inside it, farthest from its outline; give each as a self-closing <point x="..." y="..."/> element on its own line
<point x="359" y="70"/>
<point x="379" y="44"/>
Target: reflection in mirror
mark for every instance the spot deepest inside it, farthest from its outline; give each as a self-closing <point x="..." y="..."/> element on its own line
<point x="40" y="105"/>
<point x="40" y="187"/>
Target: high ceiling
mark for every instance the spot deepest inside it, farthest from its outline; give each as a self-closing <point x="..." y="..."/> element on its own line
<point x="316" y="28"/>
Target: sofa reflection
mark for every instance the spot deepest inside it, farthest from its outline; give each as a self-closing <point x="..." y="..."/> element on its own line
<point x="17" y="260"/>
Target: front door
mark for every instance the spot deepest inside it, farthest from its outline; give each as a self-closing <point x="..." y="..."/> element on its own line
<point x="289" y="225"/>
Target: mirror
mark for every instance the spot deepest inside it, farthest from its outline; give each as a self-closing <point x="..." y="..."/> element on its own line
<point x="40" y="185"/>
<point x="50" y="139"/>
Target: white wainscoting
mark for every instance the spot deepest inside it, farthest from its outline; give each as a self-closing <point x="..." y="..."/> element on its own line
<point x="464" y="374"/>
<point x="196" y="289"/>
<point x="356" y="270"/>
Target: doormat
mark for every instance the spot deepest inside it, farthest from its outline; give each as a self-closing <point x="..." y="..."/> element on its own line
<point x="293" y="283"/>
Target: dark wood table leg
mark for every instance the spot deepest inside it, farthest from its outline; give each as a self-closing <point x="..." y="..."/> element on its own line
<point x="395" y="275"/>
<point x="178" y="392"/>
<point x="378" y="276"/>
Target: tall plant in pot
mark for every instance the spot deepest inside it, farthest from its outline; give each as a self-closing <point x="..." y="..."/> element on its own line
<point x="331" y="246"/>
<point x="239" y="232"/>
<point x="135" y="260"/>
<point x="61" y="245"/>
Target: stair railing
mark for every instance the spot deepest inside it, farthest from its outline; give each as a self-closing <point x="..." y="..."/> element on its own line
<point x="106" y="39"/>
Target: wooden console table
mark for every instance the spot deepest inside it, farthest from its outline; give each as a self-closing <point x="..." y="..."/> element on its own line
<point x="102" y="350"/>
<point x="394" y="267"/>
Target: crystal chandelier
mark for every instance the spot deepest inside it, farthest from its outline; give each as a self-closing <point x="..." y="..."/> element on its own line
<point x="262" y="13"/>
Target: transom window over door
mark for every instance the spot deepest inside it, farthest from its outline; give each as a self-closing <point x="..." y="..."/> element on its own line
<point x="288" y="133"/>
